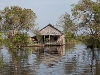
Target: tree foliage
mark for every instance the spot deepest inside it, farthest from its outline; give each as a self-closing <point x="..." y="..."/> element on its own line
<point x="18" y="40"/>
<point x="21" y="39"/>
<point x="1" y="39"/>
<point x="14" y="22"/>
<point x="87" y="14"/>
<point x="85" y="21"/>
<point x="16" y="18"/>
<point x="69" y="28"/>
<point x="37" y="34"/>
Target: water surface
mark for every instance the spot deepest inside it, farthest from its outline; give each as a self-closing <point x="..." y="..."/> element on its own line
<point x="70" y="60"/>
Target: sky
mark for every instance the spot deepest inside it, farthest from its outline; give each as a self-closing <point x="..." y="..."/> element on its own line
<point x="47" y="11"/>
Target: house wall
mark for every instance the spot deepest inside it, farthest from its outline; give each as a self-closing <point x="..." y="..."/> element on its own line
<point x="61" y="39"/>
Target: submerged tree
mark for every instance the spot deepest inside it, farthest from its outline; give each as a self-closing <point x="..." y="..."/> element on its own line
<point x="14" y="22"/>
<point x="87" y="15"/>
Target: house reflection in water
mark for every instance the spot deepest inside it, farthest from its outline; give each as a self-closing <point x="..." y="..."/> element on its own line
<point x="50" y="55"/>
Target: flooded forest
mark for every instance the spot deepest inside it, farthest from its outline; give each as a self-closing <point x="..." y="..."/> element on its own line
<point x="74" y="50"/>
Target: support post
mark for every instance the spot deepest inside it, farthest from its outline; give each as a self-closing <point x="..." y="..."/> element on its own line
<point x="44" y="39"/>
<point x="49" y="42"/>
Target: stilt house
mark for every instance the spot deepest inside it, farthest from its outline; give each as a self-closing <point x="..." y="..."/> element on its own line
<point x="51" y="36"/>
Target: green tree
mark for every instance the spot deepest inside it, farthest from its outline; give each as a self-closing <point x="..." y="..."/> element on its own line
<point x="37" y="34"/>
<point x="15" y="22"/>
<point x="68" y="26"/>
<point x="87" y="15"/>
<point x="15" y="19"/>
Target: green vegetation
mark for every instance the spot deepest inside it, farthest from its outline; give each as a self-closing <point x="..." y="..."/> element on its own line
<point x="15" y="22"/>
<point x="86" y="12"/>
<point x="18" y="40"/>
<point x="1" y="39"/>
<point x="37" y="34"/>
<point x="1" y="62"/>
<point x="84" y="23"/>
<point x="69" y="29"/>
<point x="16" y="18"/>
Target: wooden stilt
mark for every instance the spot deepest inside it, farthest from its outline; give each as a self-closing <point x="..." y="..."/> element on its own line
<point x="44" y="38"/>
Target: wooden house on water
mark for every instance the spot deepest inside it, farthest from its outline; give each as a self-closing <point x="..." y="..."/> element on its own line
<point x="51" y="36"/>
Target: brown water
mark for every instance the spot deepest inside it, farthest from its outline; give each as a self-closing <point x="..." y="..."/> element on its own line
<point x="72" y="60"/>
